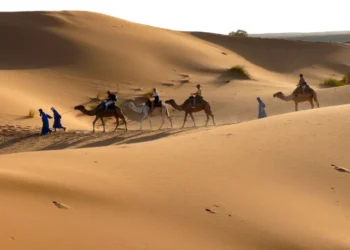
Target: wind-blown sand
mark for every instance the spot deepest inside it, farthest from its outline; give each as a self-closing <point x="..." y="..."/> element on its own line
<point x="244" y="184"/>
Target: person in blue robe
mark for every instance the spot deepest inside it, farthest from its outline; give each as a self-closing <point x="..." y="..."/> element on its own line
<point x="57" y="120"/>
<point x="261" y="109"/>
<point x="45" y="119"/>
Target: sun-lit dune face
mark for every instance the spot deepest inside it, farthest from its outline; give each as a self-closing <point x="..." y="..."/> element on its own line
<point x="124" y="189"/>
<point x="204" y="187"/>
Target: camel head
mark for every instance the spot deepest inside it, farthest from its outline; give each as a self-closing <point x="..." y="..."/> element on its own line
<point x="278" y="94"/>
<point x="128" y="104"/>
<point x="170" y="101"/>
<point x="79" y="107"/>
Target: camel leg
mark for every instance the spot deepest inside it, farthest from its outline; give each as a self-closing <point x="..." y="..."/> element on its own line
<point x="168" y="116"/>
<point x="150" y="121"/>
<point x="316" y="100"/>
<point x="163" y="119"/>
<point x="103" y="124"/>
<point x="117" y="120"/>
<point x="206" y="123"/>
<point x="171" y="121"/>
<point x="212" y="117"/>
<point x="183" y="125"/>
<point x="312" y="103"/>
<point x="126" y="126"/>
<point x="194" y="123"/>
<point x="144" y="117"/>
<point x="296" y="106"/>
<point x="93" y="124"/>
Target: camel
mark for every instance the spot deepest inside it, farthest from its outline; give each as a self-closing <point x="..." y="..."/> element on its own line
<point x="187" y="107"/>
<point x="163" y="111"/>
<point x="101" y="113"/>
<point x="309" y="95"/>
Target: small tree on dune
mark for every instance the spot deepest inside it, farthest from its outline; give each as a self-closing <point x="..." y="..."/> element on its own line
<point x="241" y="33"/>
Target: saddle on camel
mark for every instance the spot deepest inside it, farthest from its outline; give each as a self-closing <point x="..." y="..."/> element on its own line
<point x="155" y="103"/>
<point x="302" y="86"/>
<point x="109" y="103"/>
<point x="197" y="96"/>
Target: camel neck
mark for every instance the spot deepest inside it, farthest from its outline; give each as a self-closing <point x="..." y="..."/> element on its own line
<point x="88" y="112"/>
<point x="175" y="106"/>
<point x="137" y="109"/>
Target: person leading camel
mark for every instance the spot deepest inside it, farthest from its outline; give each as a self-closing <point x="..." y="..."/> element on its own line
<point x="155" y="96"/>
<point x="110" y="100"/>
<point x="57" y="120"/>
<point x="261" y="110"/>
<point x="45" y="119"/>
<point x="197" y="94"/>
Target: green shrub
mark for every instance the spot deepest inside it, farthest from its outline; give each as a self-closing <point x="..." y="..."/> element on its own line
<point x="148" y="94"/>
<point x="240" y="71"/>
<point x="332" y="82"/>
<point x="241" y="33"/>
<point x="100" y="95"/>
<point x="31" y="113"/>
<point x="345" y="79"/>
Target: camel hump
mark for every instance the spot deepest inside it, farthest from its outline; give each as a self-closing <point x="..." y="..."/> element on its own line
<point x="307" y="91"/>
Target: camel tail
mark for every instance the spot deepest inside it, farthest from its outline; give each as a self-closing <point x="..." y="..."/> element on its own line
<point x="316" y="100"/>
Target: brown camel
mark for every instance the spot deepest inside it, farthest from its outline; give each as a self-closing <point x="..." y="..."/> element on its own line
<point x="100" y="113"/>
<point x="187" y="107"/>
<point x="296" y="96"/>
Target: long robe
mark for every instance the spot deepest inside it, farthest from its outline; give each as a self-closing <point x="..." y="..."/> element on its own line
<point x="261" y="111"/>
<point x="57" y="120"/>
<point x="46" y="126"/>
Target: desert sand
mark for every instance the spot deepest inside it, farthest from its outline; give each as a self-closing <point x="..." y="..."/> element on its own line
<point x="281" y="182"/>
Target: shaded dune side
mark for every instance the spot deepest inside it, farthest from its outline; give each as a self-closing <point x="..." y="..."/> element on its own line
<point x="99" y="46"/>
<point x="283" y="56"/>
<point x="32" y="48"/>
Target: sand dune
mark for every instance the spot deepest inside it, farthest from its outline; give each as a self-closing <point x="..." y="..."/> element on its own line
<point x="70" y="56"/>
<point x="274" y="183"/>
<point x="175" y="195"/>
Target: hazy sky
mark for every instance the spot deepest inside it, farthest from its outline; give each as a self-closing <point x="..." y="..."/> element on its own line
<point x="218" y="16"/>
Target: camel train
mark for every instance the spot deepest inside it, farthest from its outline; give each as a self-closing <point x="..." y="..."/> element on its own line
<point x="162" y="110"/>
<point x="195" y="103"/>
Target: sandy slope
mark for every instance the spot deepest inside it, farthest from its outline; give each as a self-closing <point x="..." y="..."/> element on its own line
<point x="68" y="57"/>
<point x="269" y="182"/>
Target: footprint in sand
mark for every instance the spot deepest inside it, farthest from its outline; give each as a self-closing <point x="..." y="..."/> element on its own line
<point x="168" y="84"/>
<point x="210" y="211"/>
<point x="340" y="169"/>
<point x="218" y="207"/>
<point x="60" y="205"/>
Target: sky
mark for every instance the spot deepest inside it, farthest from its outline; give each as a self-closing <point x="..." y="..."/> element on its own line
<point x="217" y="16"/>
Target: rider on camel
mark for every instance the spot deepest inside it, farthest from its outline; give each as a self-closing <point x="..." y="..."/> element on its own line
<point x="197" y="94"/>
<point x="302" y="84"/>
<point x="110" y="100"/>
<point x="155" y="96"/>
